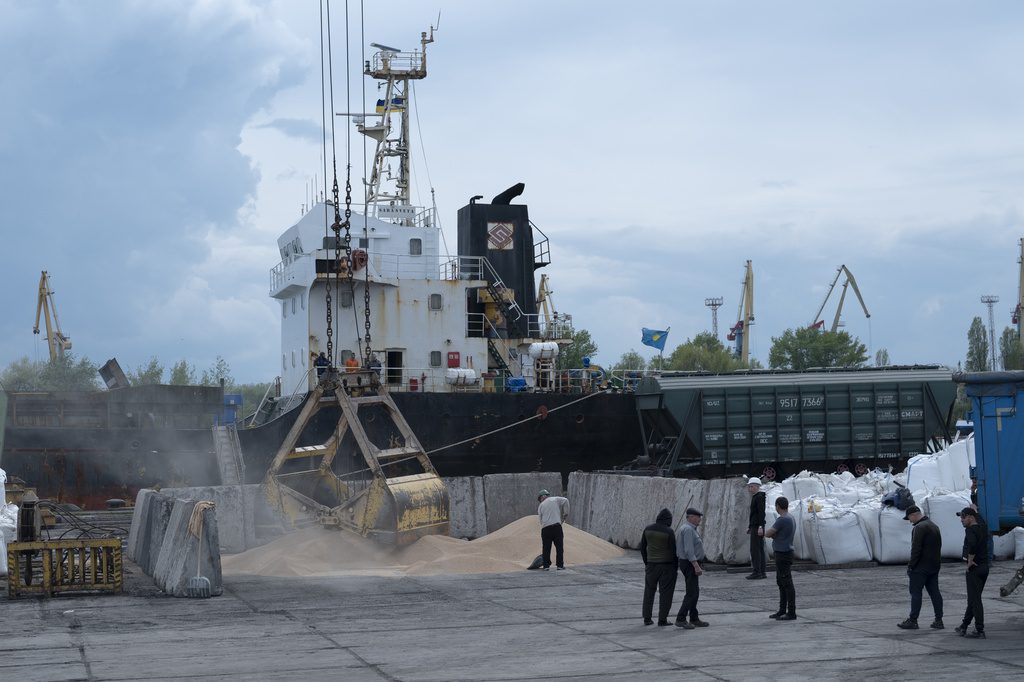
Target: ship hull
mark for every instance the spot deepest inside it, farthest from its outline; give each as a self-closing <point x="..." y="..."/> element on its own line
<point x="87" y="465"/>
<point x="488" y="433"/>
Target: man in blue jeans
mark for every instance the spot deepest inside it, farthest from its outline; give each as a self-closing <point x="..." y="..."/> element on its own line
<point x="923" y="569"/>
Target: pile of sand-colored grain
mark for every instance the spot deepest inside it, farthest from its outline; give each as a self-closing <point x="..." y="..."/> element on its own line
<point x="318" y="551"/>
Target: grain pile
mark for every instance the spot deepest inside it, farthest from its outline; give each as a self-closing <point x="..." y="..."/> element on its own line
<point x="321" y="552"/>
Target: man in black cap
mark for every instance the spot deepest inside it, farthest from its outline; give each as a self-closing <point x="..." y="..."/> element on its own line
<point x="690" y="551"/>
<point x="976" y="554"/>
<point x="658" y="549"/>
<point x="923" y="569"/>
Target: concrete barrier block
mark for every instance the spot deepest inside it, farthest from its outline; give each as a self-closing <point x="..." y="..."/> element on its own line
<point x="182" y="556"/>
<point x="149" y="525"/>
<point x="468" y="511"/>
<point x="725" y="521"/>
<point x="509" y="497"/>
<point x="235" y="512"/>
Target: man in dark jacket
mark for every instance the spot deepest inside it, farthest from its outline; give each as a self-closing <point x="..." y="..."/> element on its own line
<point x="755" y="528"/>
<point x="976" y="555"/>
<point x="923" y="569"/>
<point x="658" y="549"/>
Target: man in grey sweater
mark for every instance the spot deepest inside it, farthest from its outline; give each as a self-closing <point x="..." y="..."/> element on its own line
<point x="690" y="551"/>
<point x="552" y="510"/>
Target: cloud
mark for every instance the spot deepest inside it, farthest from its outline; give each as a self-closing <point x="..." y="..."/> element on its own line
<point x="301" y="129"/>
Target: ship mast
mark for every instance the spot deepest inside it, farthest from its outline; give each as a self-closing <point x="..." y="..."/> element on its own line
<point x="387" y="190"/>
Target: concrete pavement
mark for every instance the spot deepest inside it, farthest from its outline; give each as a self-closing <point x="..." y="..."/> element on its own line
<point x="581" y="624"/>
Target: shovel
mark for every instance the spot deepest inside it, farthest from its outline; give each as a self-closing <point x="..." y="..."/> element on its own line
<point x="199" y="586"/>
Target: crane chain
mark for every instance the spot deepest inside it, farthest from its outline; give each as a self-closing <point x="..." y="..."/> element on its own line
<point x="336" y="228"/>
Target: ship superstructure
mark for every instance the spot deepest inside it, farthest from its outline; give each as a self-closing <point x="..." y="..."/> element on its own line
<point x="439" y="322"/>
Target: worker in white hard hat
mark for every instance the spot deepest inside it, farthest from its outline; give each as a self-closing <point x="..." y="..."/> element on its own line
<point x="755" y="528"/>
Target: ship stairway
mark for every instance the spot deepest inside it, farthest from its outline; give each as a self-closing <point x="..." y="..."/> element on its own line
<point x="229" y="454"/>
<point x="391" y="494"/>
<point x="497" y="288"/>
<point x="496" y="355"/>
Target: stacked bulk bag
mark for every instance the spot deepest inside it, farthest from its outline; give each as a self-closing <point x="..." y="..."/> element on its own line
<point x="941" y="506"/>
<point x="804" y="485"/>
<point x="835" y="535"/>
<point x="955" y="463"/>
<point x="925" y="473"/>
<point x="892" y="537"/>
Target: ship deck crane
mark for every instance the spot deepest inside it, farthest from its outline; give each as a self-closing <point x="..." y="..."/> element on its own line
<point x="850" y="281"/>
<point x="46" y="307"/>
<point x="740" y="332"/>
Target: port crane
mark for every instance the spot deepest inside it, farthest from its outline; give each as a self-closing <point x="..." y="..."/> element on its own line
<point x="46" y="307"/>
<point x="1018" y="311"/>
<point x="818" y="322"/>
<point x="740" y="332"/>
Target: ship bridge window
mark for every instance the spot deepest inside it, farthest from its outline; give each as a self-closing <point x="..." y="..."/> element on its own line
<point x="284" y="309"/>
<point x="415" y="247"/>
<point x="364" y="242"/>
<point x="293" y="358"/>
<point x="293" y="305"/>
<point x="346" y="298"/>
<point x="435" y="302"/>
<point x="435" y="358"/>
<point x="302" y="297"/>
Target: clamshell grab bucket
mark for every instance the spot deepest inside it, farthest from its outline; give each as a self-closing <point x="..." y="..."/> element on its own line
<point x="390" y="508"/>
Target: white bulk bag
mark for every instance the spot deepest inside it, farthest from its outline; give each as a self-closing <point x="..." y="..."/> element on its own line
<point x="836" y="536"/>
<point x="892" y="538"/>
<point x="924" y="473"/>
<point x="798" y="510"/>
<point x="3" y="558"/>
<point x="804" y="485"/>
<point x="770" y="517"/>
<point x="8" y="522"/>
<point x="841" y="480"/>
<point x="868" y="513"/>
<point x="956" y="465"/>
<point x="1018" y="544"/>
<point x="941" y="506"/>
<point x="3" y="490"/>
<point x="1003" y="546"/>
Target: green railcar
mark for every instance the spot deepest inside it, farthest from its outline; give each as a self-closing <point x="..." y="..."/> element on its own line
<point x="779" y="422"/>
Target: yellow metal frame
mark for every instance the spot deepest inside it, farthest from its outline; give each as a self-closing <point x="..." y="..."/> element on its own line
<point x="394" y="510"/>
<point x="68" y="566"/>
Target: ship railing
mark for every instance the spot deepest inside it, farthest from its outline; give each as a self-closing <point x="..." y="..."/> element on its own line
<point x="425" y="380"/>
<point x="407" y="216"/>
<point x="558" y="328"/>
<point x="386" y="63"/>
<point x="628" y="380"/>
<point x="396" y="266"/>
<point x="464" y="267"/>
<point x="576" y="380"/>
<point x="266" y="405"/>
<point x="541" y="247"/>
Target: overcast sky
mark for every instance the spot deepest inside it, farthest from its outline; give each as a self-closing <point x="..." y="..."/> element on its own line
<point x="151" y="152"/>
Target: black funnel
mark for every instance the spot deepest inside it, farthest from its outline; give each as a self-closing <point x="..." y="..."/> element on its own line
<point x="506" y="197"/>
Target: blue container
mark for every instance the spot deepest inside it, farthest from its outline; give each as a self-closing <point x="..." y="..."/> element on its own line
<point x="998" y="444"/>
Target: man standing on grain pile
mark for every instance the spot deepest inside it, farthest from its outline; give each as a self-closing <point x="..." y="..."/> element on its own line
<point x="658" y="549"/>
<point x="552" y="510"/>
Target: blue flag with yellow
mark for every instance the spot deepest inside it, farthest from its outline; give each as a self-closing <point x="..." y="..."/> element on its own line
<point x="654" y="338"/>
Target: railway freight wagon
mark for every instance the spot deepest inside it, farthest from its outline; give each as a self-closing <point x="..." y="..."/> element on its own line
<point x="775" y="423"/>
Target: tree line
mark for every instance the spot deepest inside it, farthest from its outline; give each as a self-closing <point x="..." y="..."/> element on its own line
<point x="71" y="373"/>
